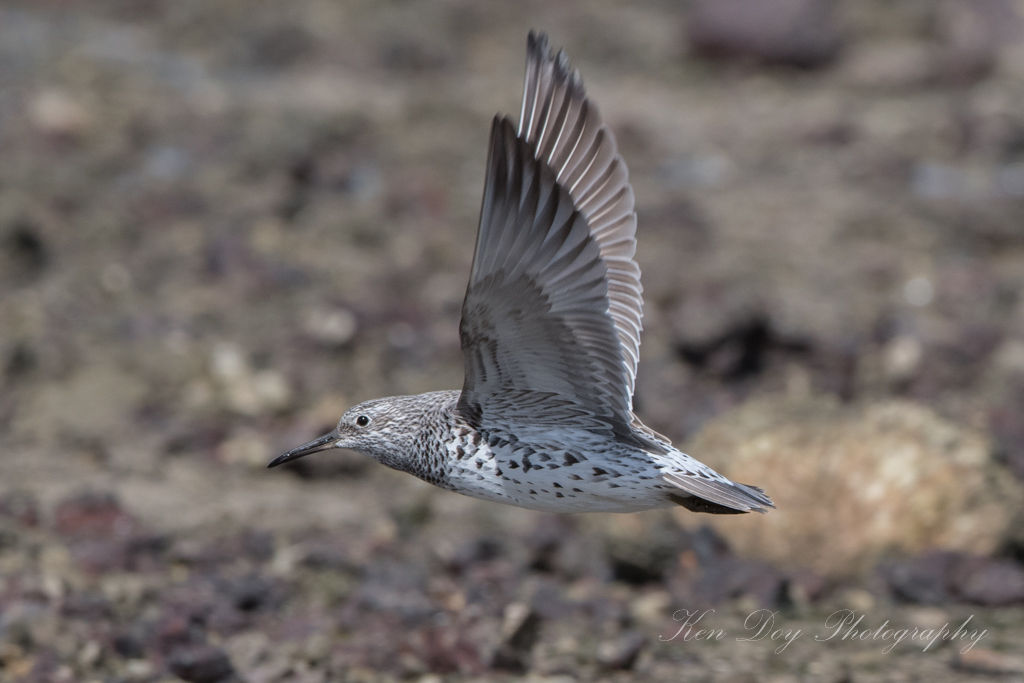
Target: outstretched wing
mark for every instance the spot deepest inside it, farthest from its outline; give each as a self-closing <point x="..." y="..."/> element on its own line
<point x="553" y="306"/>
<point x="564" y="129"/>
<point x="535" y="319"/>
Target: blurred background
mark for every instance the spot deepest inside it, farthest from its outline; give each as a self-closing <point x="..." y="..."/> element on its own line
<point x="222" y="223"/>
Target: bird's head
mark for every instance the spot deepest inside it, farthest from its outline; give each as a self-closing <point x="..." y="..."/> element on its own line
<point x="384" y="429"/>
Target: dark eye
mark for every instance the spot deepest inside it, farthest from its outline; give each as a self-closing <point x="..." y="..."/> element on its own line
<point x="362" y="421"/>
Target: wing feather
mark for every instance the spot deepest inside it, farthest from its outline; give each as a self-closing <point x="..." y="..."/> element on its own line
<point x="554" y="304"/>
<point x="537" y="319"/>
<point x="565" y="129"/>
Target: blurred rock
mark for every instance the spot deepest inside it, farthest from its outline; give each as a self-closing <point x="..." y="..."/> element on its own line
<point x="622" y="652"/>
<point x="330" y="326"/>
<point x="92" y="407"/>
<point x="247" y="447"/>
<point x="519" y="632"/>
<point x="129" y="646"/>
<point x="948" y="182"/>
<point x="23" y="251"/>
<point x="641" y="553"/>
<point x="251" y="593"/>
<point x="801" y="33"/>
<point x="901" y="357"/>
<point x="281" y="46"/>
<point x="92" y="515"/>
<point x="852" y="483"/>
<point x="972" y="32"/>
<point x="86" y="606"/>
<point x="728" y="579"/>
<point x="697" y="172"/>
<point x="247" y="391"/>
<point x="1004" y="388"/>
<point x="893" y="65"/>
<point x="558" y="547"/>
<point x="805" y="586"/>
<point x="983" y="661"/>
<point x="651" y="608"/>
<point x="56" y="112"/>
<point x="925" y="580"/>
<point x="167" y="163"/>
<point x="20" y="506"/>
<point x="200" y="664"/>
<point x="994" y="583"/>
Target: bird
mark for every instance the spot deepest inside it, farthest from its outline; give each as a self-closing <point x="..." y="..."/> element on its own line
<point x="550" y="336"/>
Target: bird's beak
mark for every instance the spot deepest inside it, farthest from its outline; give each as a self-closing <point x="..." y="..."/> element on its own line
<point x="315" y="446"/>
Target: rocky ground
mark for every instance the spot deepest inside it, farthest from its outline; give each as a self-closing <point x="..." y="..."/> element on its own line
<point x="222" y="223"/>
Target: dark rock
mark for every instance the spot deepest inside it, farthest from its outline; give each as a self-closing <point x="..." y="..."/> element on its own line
<point x="972" y="31"/>
<point x="142" y="546"/>
<point x="23" y="248"/>
<point x="1007" y="425"/>
<point x="92" y="515"/>
<point x="250" y="593"/>
<point x="622" y="652"/>
<point x="225" y="619"/>
<point x="282" y="46"/>
<point x="645" y="558"/>
<point x="994" y="584"/>
<point x="179" y="627"/>
<point x="200" y="664"/>
<point x="735" y="342"/>
<point x="941" y="577"/>
<point x="925" y="580"/>
<point x="733" y="578"/>
<point x="20" y="506"/>
<point x="258" y="545"/>
<point x="141" y="552"/>
<point x="805" y="584"/>
<point x="707" y="546"/>
<point x="399" y="588"/>
<point x="412" y="55"/>
<point x="446" y="650"/>
<point x="800" y="33"/>
<point x="557" y="548"/>
<point x="519" y="634"/>
<point x="549" y="601"/>
<point x="21" y="361"/>
<point x="483" y="549"/>
<point x="327" y="555"/>
<point x="86" y="606"/>
<point x="129" y="646"/>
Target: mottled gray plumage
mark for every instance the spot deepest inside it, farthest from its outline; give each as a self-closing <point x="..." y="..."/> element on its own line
<point x="550" y="336"/>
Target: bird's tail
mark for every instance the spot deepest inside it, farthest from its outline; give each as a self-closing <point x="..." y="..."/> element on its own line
<point x="704" y="490"/>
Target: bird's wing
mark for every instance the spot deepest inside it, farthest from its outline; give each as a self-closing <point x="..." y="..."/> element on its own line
<point x="536" y="320"/>
<point x="554" y="301"/>
<point x="564" y="129"/>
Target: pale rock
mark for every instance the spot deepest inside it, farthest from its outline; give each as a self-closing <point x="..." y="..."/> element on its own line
<point x="247" y="448"/>
<point x="854" y="483"/>
<point x="330" y="326"/>
<point x="981" y="661"/>
<point x="91" y="406"/>
<point x="901" y="357"/>
<point x="891" y="65"/>
<point x="55" y="112"/>
<point x="245" y="391"/>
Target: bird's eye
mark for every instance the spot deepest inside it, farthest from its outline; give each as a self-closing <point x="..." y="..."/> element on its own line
<point x="362" y="421"/>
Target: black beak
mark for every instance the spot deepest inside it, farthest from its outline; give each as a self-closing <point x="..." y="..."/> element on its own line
<point x="315" y="446"/>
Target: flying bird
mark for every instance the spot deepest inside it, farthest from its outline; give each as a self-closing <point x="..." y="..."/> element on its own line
<point x="550" y="335"/>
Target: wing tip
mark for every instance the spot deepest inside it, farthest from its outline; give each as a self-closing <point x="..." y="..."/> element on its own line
<point x="538" y="46"/>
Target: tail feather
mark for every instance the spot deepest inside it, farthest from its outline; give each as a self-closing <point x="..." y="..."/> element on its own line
<point x="717" y="492"/>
